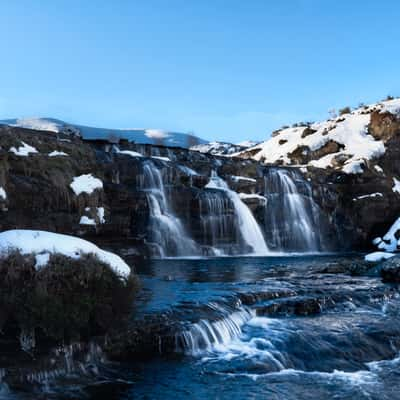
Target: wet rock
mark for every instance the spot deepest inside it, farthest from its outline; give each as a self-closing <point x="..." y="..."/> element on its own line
<point x="252" y="298"/>
<point x="390" y="270"/>
<point x="301" y="306"/>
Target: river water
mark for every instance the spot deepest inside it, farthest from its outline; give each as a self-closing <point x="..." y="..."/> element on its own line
<point x="300" y="327"/>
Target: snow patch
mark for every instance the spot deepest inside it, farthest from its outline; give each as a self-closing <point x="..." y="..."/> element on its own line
<point x="130" y="153"/>
<point x="42" y="242"/>
<point x="378" y="256"/>
<point x="389" y="242"/>
<point x="87" y="221"/>
<point x="218" y="148"/>
<point x="353" y="167"/>
<point x="156" y="134"/>
<point x="42" y="260"/>
<point x="39" y="124"/>
<point x="247" y="143"/>
<point x="100" y="215"/>
<point x="396" y="186"/>
<point x="161" y="158"/>
<point x="23" y="150"/>
<point x="244" y="196"/>
<point x="86" y="184"/>
<point x="57" y="153"/>
<point x="390" y="106"/>
<point x="3" y="194"/>
<point x="365" y="196"/>
<point x="242" y="178"/>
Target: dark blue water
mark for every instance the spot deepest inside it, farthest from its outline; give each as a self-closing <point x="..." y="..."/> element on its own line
<point x="311" y="330"/>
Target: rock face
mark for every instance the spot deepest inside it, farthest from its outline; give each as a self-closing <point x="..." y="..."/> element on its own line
<point x="166" y="185"/>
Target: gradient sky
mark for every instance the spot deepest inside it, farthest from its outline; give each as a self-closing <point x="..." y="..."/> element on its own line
<point x="226" y="70"/>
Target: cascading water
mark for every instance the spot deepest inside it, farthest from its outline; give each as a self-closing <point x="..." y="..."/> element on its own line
<point x="248" y="227"/>
<point x="206" y="335"/>
<point x="165" y="230"/>
<point x="292" y="218"/>
<point x="217" y="222"/>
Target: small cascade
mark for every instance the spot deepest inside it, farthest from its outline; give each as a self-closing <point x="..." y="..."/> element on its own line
<point x="248" y="227"/>
<point x="206" y="335"/>
<point x="292" y="218"/>
<point x="165" y="229"/>
<point x="217" y="222"/>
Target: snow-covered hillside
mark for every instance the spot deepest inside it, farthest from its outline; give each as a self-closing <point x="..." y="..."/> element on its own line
<point x="151" y="136"/>
<point x="222" y="148"/>
<point x="343" y="142"/>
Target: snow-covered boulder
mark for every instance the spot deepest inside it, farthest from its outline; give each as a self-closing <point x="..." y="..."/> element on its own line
<point x="42" y="243"/>
<point x="387" y="245"/>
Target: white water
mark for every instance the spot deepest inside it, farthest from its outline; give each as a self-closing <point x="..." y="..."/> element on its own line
<point x="166" y="230"/>
<point x="248" y="226"/>
<point x="205" y="336"/>
<point x="217" y="223"/>
<point x="292" y="217"/>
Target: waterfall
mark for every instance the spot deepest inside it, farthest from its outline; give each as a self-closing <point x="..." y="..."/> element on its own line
<point x="205" y="335"/>
<point x="292" y="218"/>
<point x="217" y="223"/>
<point x="248" y="227"/>
<point x="165" y="229"/>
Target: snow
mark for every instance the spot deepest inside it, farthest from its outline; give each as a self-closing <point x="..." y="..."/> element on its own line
<point x="389" y="242"/>
<point x="390" y="106"/>
<point x="87" y="221"/>
<point x="130" y="153"/>
<point x="247" y="143"/>
<point x="39" y="124"/>
<point x="378" y="169"/>
<point x="100" y="215"/>
<point x="86" y="184"/>
<point x="42" y="260"/>
<point x="378" y="256"/>
<point x="23" y="150"/>
<point x="42" y="243"/>
<point x="365" y="196"/>
<point x="353" y="167"/>
<point x="396" y="186"/>
<point x="3" y="194"/>
<point x="156" y="134"/>
<point x="349" y="130"/>
<point x="244" y="196"/>
<point x="242" y="178"/>
<point x="57" y="153"/>
<point x="324" y="162"/>
<point x="218" y="148"/>
<point x="161" y="158"/>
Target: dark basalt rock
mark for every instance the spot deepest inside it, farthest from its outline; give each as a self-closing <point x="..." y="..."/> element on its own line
<point x="390" y="270"/>
<point x="39" y="196"/>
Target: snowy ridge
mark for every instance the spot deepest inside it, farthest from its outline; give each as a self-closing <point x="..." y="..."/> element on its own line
<point x="220" y="148"/>
<point x="138" y="135"/>
<point x="348" y="133"/>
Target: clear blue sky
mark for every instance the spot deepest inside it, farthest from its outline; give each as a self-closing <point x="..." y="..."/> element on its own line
<point x="227" y="70"/>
